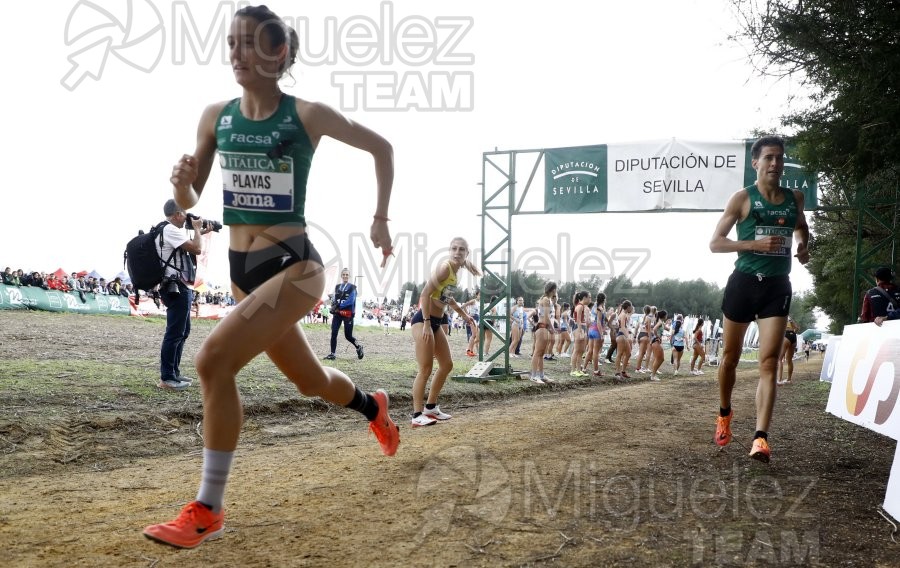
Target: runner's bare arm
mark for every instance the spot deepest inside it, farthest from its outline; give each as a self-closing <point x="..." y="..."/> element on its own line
<point x="321" y="120"/>
<point x="801" y="230"/>
<point x="734" y="212"/>
<point x="191" y="172"/>
<point x="738" y="208"/>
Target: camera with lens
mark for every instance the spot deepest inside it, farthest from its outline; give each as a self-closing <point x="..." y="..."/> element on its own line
<point x="216" y="226"/>
<point x="169" y="285"/>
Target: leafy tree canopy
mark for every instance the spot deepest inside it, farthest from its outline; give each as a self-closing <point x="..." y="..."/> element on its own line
<point x="846" y="54"/>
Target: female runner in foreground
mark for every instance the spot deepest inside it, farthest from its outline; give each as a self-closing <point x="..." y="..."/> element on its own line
<point x="276" y="273"/>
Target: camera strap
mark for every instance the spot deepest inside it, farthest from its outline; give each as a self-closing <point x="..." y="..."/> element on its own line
<point x="884" y="293"/>
<point x="168" y="262"/>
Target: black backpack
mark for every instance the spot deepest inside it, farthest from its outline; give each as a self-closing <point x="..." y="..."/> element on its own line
<point x="145" y="267"/>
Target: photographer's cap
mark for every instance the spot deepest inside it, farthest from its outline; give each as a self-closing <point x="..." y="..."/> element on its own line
<point x="171" y="208"/>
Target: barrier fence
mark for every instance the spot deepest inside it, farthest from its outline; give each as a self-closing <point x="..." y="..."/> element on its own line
<point x="31" y="298"/>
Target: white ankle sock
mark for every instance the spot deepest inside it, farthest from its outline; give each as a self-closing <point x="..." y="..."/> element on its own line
<point x="216" y="466"/>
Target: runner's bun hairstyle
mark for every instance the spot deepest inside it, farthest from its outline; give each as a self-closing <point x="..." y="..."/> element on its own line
<point x="278" y="32"/>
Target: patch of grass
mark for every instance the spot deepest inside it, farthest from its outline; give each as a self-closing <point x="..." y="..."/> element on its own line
<point x="810" y="392"/>
<point x="40" y="376"/>
<point x="45" y="362"/>
<point x="78" y="383"/>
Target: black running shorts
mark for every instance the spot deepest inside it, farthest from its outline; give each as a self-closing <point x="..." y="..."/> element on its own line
<point x="249" y="270"/>
<point x="436" y="321"/>
<point x="749" y="296"/>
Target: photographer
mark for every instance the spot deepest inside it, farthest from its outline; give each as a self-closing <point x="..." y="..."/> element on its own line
<point x="175" y="290"/>
<point x="882" y="298"/>
<point x="343" y="310"/>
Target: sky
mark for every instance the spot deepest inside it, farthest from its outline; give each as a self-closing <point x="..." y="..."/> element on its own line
<point x="108" y="95"/>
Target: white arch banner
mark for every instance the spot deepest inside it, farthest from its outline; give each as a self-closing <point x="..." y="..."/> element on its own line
<point x="671" y="174"/>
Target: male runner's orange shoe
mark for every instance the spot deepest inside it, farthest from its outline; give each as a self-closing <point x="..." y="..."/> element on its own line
<point x="723" y="428"/>
<point x="194" y="524"/>
<point x="760" y="450"/>
<point x="387" y="433"/>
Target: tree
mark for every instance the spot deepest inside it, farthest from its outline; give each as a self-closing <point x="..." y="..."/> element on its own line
<point x="619" y="288"/>
<point x="491" y="286"/>
<point x="416" y="291"/>
<point x="847" y="56"/>
<point x="696" y="297"/>
<point x="802" y="306"/>
<point x="691" y="297"/>
<point x="529" y="286"/>
<point x="832" y="268"/>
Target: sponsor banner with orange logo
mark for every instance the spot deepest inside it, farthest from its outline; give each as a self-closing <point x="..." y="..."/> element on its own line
<point x="865" y="384"/>
<point x="831" y="351"/>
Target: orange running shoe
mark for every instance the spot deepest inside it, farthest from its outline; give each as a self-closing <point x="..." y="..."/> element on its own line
<point x="760" y="450"/>
<point x="723" y="428"/>
<point x="194" y="524"/>
<point x="387" y="433"/>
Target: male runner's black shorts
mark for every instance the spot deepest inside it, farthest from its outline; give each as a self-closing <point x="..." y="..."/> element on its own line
<point x="748" y="296"/>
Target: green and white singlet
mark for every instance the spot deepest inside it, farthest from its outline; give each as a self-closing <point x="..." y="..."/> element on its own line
<point x="767" y="219"/>
<point x="265" y="165"/>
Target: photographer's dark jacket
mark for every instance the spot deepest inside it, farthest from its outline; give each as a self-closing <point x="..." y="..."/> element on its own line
<point x="344" y="298"/>
<point x="876" y="302"/>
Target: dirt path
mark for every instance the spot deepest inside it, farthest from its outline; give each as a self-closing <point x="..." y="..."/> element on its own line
<point x="613" y="476"/>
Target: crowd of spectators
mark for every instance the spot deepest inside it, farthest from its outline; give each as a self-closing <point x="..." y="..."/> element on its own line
<point x="78" y="283"/>
<point x="371" y="310"/>
<point x="82" y="284"/>
<point x="85" y="286"/>
<point x="215" y="297"/>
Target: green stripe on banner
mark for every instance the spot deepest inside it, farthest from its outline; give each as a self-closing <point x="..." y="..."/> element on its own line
<point x="575" y="179"/>
<point x="27" y="297"/>
<point x="795" y="175"/>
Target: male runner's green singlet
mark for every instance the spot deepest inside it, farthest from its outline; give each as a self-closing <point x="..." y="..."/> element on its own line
<point x="265" y="165"/>
<point x="767" y="219"/>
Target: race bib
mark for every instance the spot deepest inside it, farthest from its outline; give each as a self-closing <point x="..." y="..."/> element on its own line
<point x="785" y="233"/>
<point x="255" y="182"/>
